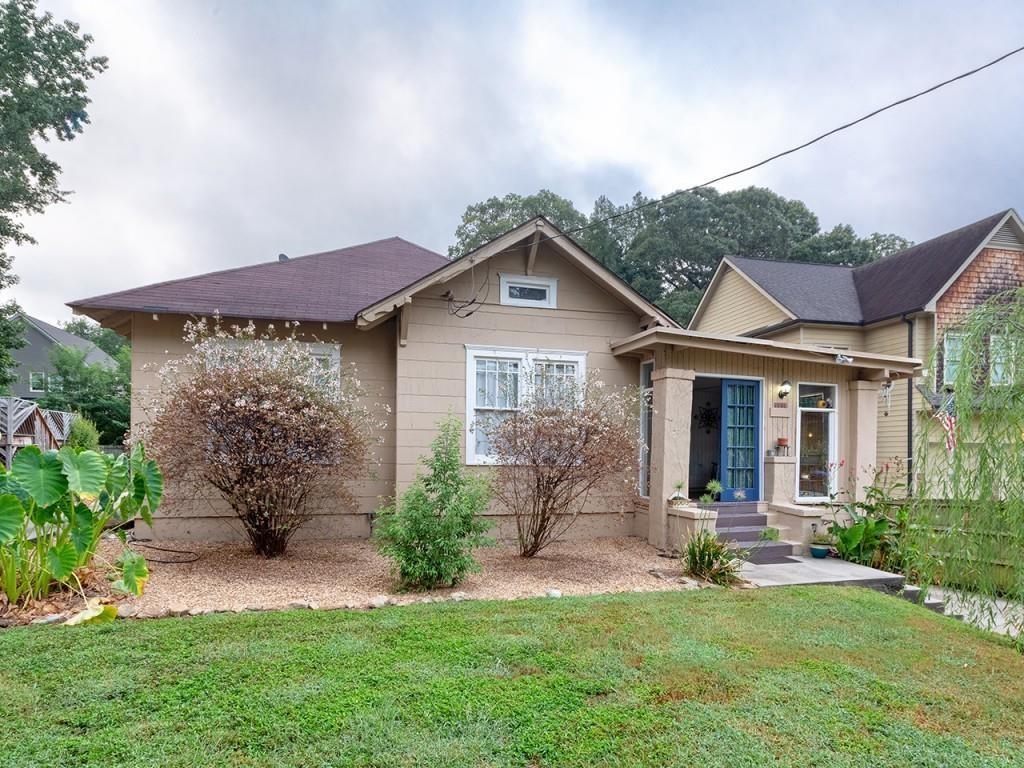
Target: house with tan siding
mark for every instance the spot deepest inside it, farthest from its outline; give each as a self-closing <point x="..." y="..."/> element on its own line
<point x="904" y="304"/>
<point x="430" y="336"/>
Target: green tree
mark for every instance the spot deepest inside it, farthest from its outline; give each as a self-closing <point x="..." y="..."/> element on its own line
<point x="485" y="221"/>
<point x="109" y="341"/>
<point x="100" y="394"/>
<point x="44" y="67"/>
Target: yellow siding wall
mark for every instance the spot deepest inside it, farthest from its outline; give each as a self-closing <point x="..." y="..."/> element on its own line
<point x="845" y="337"/>
<point x="431" y="367"/>
<point x="737" y="307"/>
<point x="891" y="339"/>
<point x="157" y="342"/>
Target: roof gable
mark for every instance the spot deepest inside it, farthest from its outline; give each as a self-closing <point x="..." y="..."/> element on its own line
<point x="56" y="335"/>
<point x="911" y="279"/>
<point x="526" y="239"/>
<point x="322" y="287"/>
<point x="812" y="292"/>
<point x="908" y="281"/>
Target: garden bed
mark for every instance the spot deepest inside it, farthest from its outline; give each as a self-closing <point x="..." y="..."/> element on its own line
<point x="350" y="573"/>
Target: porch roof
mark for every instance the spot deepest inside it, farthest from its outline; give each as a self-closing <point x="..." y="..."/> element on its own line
<point x="880" y="366"/>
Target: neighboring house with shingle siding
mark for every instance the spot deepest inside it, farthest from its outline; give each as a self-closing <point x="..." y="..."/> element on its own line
<point x="898" y="305"/>
<point x="34" y="370"/>
<point x="430" y="336"/>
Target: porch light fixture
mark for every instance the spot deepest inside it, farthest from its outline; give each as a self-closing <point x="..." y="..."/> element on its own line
<point x="785" y="389"/>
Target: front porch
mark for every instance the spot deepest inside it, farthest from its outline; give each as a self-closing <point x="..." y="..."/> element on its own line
<point x="783" y="428"/>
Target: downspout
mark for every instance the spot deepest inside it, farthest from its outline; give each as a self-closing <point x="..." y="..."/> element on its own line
<point x="910" y="408"/>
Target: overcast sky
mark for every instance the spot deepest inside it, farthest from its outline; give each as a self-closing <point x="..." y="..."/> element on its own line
<point x="224" y="133"/>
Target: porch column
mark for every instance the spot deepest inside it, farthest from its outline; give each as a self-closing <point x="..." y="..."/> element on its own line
<point x="862" y="435"/>
<point x="670" y="445"/>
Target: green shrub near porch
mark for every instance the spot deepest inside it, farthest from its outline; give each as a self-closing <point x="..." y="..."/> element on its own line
<point x="431" y="530"/>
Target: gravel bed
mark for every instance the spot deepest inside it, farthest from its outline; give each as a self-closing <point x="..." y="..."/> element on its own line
<point x="350" y="574"/>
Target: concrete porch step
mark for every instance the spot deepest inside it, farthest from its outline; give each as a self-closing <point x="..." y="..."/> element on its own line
<point x="738" y="507"/>
<point x="767" y="552"/>
<point x="746" y="533"/>
<point x="736" y="519"/>
<point x="915" y="594"/>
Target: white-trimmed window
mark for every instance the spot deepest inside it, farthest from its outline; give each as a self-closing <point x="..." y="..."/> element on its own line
<point x="327" y="355"/>
<point x="646" y="425"/>
<point x="1000" y="359"/>
<point x="952" y="355"/>
<point x="37" y="381"/>
<point x="816" y="442"/>
<point x="528" y="291"/>
<point x="497" y="379"/>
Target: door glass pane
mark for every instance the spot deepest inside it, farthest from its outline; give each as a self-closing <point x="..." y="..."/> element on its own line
<point x="815" y="441"/>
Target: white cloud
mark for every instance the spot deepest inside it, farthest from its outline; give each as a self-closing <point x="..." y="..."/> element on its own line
<point x="225" y="134"/>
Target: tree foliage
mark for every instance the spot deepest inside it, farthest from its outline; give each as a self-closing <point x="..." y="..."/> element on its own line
<point x="265" y="423"/>
<point x="431" y="531"/>
<point x="668" y="251"/>
<point x="484" y="221"/>
<point x="93" y="390"/>
<point x="44" y="68"/>
<point x="109" y="341"/>
<point x="968" y="504"/>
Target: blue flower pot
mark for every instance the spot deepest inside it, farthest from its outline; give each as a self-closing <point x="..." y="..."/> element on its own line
<point x="819" y="550"/>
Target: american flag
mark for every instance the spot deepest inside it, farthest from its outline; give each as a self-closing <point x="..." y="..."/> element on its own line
<point x="948" y="422"/>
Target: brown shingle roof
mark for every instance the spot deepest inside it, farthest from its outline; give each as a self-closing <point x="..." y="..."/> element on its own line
<point x="908" y="280"/>
<point x="903" y="282"/>
<point x="323" y="287"/>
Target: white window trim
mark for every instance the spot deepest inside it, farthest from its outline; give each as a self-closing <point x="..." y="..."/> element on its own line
<point x="648" y="403"/>
<point x="1007" y="341"/>
<point x="526" y="357"/>
<point x="945" y="355"/>
<point x="833" y="447"/>
<point x="42" y="375"/>
<point x="316" y="348"/>
<point x="532" y="281"/>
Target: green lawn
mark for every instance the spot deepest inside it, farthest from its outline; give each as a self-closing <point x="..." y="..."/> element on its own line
<point x="801" y="676"/>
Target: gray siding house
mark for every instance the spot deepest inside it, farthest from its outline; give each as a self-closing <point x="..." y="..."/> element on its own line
<point x="34" y="368"/>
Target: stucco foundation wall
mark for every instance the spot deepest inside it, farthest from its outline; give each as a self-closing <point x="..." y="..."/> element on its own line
<point x="155" y="342"/>
<point x="431" y="366"/>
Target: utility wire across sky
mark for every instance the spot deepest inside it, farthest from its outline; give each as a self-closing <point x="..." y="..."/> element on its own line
<point x="772" y="158"/>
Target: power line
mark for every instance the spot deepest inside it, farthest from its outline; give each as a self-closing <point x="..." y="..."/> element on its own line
<point x="790" y="151"/>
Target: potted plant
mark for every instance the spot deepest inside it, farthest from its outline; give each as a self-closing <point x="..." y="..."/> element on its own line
<point x="782" y="442"/>
<point x="678" y="497"/>
<point x="821" y="543"/>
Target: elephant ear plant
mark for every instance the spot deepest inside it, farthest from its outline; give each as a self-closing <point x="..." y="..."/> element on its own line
<point x="55" y="505"/>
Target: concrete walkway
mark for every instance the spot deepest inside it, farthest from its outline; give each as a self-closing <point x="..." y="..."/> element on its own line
<point x="810" y="570"/>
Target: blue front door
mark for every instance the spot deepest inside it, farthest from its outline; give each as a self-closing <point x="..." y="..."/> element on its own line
<point x="741" y="439"/>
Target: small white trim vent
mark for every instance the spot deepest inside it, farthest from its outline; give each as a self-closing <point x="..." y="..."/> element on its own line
<point x="1007" y="237"/>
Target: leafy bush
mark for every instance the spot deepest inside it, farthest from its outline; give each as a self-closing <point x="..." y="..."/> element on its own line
<point x="83" y="435"/>
<point x="55" y="505"/>
<point x="707" y="557"/>
<point x="565" y="441"/>
<point x="265" y="422"/>
<point x="859" y="539"/>
<point x="431" y="532"/>
<point x="872" y="533"/>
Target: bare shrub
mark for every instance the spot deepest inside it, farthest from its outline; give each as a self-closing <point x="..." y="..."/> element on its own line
<point x="269" y="424"/>
<point x="566" y="441"/>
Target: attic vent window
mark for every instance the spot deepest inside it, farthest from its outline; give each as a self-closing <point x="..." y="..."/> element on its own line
<point x="529" y="291"/>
